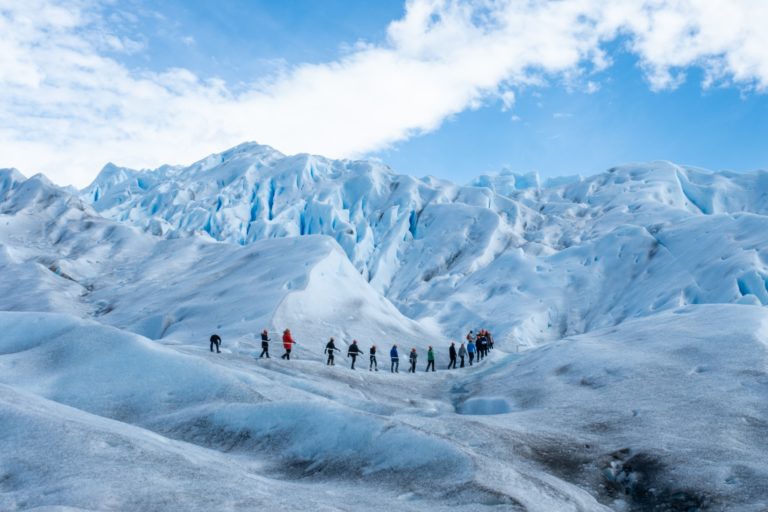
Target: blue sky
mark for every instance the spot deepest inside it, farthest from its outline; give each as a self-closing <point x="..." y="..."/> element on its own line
<point x="448" y="88"/>
<point x="561" y="132"/>
<point x="239" y="39"/>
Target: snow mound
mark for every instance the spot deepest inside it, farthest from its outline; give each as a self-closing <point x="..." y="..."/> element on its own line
<point x="322" y="440"/>
<point x="106" y="371"/>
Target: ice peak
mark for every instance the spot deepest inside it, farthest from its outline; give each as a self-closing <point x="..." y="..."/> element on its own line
<point x="507" y="182"/>
<point x="110" y="176"/>
<point x="247" y="151"/>
<point x="253" y="149"/>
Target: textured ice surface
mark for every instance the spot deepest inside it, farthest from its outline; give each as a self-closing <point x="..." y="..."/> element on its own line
<point x="540" y="260"/>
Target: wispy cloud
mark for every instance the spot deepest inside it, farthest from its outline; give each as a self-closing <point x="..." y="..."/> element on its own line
<point x="68" y="105"/>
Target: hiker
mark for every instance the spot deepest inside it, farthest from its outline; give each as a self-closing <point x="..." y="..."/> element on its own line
<point x="470" y="336"/>
<point x="452" y="356"/>
<point x="215" y="341"/>
<point x="264" y="344"/>
<point x="484" y="345"/>
<point x="373" y="359"/>
<point x="395" y="360"/>
<point x="490" y="340"/>
<point x="430" y="359"/>
<point x="330" y="348"/>
<point x="353" y="351"/>
<point x="287" y="344"/>
<point x="462" y="354"/>
<point x="471" y="351"/>
<point x="412" y="358"/>
<point x="480" y="348"/>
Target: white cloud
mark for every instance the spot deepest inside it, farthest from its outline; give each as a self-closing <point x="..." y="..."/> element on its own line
<point x="507" y="99"/>
<point x="67" y="107"/>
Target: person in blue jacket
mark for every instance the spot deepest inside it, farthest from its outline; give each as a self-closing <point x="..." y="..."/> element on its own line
<point x="395" y="360"/>
<point x="471" y="349"/>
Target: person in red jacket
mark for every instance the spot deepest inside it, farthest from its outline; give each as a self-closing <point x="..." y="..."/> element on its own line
<point x="287" y="344"/>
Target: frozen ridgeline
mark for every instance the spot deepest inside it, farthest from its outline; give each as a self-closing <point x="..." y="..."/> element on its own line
<point x="645" y="287"/>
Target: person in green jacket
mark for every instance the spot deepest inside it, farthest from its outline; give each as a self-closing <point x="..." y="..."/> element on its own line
<point x="430" y="359"/>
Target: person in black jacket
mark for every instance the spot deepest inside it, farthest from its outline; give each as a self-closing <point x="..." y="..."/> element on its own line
<point x="412" y="358"/>
<point x="330" y="348"/>
<point x="353" y="351"/>
<point x="215" y="341"/>
<point x="264" y="344"/>
<point x="373" y="359"/>
<point x="482" y="344"/>
<point x="452" y="355"/>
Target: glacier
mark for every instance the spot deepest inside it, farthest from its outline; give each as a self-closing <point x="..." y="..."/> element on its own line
<point x="628" y="309"/>
<point x="506" y="241"/>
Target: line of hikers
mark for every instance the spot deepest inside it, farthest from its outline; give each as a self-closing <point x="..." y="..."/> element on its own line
<point x="477" y="346"/>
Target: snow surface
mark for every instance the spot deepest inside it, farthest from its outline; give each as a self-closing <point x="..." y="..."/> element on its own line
<point x="638" y="293"/>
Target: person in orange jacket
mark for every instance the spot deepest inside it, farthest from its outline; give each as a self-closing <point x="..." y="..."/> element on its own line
<point x="287" y="344"/>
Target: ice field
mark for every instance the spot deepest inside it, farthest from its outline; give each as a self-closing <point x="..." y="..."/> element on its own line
<point x="630" y="370"/>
